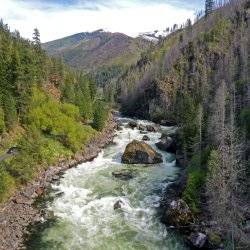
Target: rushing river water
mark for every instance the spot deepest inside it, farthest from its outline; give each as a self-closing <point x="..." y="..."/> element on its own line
<point x="85" y="216"/>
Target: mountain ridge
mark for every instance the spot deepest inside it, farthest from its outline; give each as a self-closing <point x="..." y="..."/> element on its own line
<point x="92" y="50"/>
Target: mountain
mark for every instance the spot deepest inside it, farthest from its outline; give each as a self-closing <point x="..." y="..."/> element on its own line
<point x="92" y="50"/>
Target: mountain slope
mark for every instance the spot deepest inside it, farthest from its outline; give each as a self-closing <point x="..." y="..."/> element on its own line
<point x="45" y="110"/>
<point x="90" y="51"/>
<point x="199" y="77"/>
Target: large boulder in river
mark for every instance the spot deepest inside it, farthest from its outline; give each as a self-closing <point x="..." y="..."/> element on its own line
<point x="138" y="152"/>
<point x="167" y="144"/>
<point x="178" y="214"/>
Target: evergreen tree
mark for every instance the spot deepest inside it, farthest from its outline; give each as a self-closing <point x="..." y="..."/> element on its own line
<point x="36" y="38"/>
<point x="9" y="106"/>
<point x="68" y="89"/>
<point x="209" y="5"/>
<point x="100" y="115"/>
<point x="2" y="123"/>
<point x="83" y="97"/>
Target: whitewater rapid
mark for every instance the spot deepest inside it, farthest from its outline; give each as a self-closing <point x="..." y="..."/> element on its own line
<point x="83" y="203"/>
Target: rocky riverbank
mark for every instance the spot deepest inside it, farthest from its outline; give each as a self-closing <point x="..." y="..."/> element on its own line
<point x="18" y="213"/>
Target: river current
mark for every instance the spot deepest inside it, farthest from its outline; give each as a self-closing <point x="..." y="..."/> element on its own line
<point x="83" y="203"/>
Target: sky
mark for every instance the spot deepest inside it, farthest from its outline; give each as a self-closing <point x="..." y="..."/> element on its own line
<point x="59" y="18"/>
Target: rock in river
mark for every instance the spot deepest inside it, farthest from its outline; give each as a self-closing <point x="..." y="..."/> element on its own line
<point x="141" y="127"/>
<point x="167" y="144"/>
<point x="150" y="128"/>
<point x="198" y="240"/>
<point x="118" y="205"/>
<point x="123" y="174"/>
<point x="140" y="153"/>
<point x="132" y="124"/>
<point x="145" y="138"/>
<point x="177" y="214"/>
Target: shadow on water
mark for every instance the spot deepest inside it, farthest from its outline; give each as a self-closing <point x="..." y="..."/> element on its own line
<point x="34" y="241"/>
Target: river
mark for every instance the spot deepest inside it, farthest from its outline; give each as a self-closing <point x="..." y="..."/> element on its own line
<point x="83" y="201"/>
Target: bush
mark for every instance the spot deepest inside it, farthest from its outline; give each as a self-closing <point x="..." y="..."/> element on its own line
<point x="58" y="121"/>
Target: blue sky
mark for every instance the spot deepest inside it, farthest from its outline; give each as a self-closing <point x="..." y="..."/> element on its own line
<point x="59" y="18"/>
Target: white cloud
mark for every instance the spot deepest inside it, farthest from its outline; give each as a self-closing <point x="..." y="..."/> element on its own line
<point x="55" y="21"/>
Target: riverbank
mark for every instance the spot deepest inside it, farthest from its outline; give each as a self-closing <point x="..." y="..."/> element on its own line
<point x="18" y="213"/>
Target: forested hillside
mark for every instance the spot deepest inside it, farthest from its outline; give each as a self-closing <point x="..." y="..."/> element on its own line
<point x="47" y="111"/>
<point x="199" y="78"/>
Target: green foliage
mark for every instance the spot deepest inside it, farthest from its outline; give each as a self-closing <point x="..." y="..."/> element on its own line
<point x="100" y="115"/>
<point x="6" y="183"/>
<point x="105" y="75"/>
<point x="2" y="121"/>
<point x="42" y="106"/>
<point x="209" y="5"/>
<point x="195" y="181"/>
<point x="35" y="150"/>
<point x="10" y="112"/>
<point x="245" y="120"/>
<point x="58" y="121"/>
<point x="83" y="97"/>
<point x="213" y="162"/>
<point x="186" y="113"/>
<point x="68" y="88"/>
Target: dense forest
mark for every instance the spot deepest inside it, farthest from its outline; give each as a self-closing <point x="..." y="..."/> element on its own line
<point x="198" y="78"/>
<point x="48" y="112"/>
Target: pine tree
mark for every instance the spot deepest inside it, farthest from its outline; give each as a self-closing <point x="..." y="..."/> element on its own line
<point x="85" y="97"/>
<point x="9" y="106"/>
<point x="36" y="38"/>
<point x="2" y="123"/>
<point x="100" y="115"/>
<point x="209" y="5"/>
